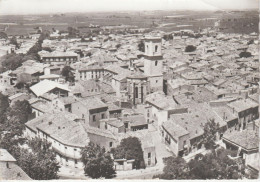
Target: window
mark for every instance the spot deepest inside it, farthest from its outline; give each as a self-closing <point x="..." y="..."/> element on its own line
<point x="66" y="159"/>
<point x="106" y="126"/>
<point x="110" y="144"/>
<point x="149" y="155"/>
<point x="136" y="92"/>
<point x="103" y="116"/>
<point x="94" y="118"/>
<point x="184" y="142"/>
<point x="156" y="62"/>
<point x="156" y="48"/>
<point x="65" y="147"/>
<point x="75" y="149"/>
<point x="156" y="81"/>
<point x="76" y="162"/>
<point x="83" y="115"/>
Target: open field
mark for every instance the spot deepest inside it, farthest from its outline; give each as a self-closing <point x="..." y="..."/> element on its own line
<point x="232" y="21"/>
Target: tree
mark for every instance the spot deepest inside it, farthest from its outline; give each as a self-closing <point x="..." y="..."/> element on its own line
<point x="13" y="41"/>
<point x="47" y="49"/>
<point x="44" y="35"/>
<point x="73" y="32"/>
<point x="216" y="165"/>
<point x="167" y="37"/>
<point x="35" y="49"/>
<point x="97" y="163"/>
<point x="175" y="168"/>
<point x="250" y="42"/>
<point x="4" y="104"/>
<point x="118" y="46"/>
<point x="12" y="61"/>
<point x="41" y="163"/>
<point x="130" y="148"/>
<point x="245" y="54"/>
<point x="190" y="48"/>
<point x="3" y="35"/>
<point x="211" y="128"/>
<point x="68" y="74"/>
<point x="141" y="46"/>
<point x="20" y="109"/>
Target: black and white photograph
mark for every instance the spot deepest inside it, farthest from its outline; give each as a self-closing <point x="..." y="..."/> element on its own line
<point x="129" y="90"/>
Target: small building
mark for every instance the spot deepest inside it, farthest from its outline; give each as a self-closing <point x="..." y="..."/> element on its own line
<point x="246" y="144"/>
<point x="123" y="164"/>
<point x="176" y="137"/>
<point x="18" y="97"/>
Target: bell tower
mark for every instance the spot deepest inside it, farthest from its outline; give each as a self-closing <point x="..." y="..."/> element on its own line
<point x="153" y="63"/>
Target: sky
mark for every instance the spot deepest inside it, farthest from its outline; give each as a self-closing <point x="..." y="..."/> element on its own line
<point x="63" y="6"/>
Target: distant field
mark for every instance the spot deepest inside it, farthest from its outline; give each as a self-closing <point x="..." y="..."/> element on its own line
<point x="232" y="22"/>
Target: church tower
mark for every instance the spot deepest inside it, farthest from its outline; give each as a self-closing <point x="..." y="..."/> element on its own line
<point x="153" y="63"/>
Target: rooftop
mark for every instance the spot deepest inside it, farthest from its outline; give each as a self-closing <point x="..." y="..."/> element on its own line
<point x="46" y="86"/>
<point x="5" y="156"/>
<point x="174" y="129"/>
<point x="14" y="172"/>
<point x="247" y="139"/>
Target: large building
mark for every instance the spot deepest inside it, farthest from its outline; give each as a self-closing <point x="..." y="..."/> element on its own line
<point x="153" y="63"/>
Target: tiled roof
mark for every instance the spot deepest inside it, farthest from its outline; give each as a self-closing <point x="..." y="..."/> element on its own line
<point x="174" y="129"/>
<point x="63" y="127"/>
<point x="46" y="86"/>
<point x="92" y="103"/>
<point x="14" y="172"/>
<point x="247" y="139"/>
<point x="5" y="156"/>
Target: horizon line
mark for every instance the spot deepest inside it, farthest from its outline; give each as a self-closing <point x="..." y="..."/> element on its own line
<point x="110" y="11"/>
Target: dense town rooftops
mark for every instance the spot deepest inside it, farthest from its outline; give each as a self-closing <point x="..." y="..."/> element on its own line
<point x="247" y="139"/>
<point x="242" y="105"/>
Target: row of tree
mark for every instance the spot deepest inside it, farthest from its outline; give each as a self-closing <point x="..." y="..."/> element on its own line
<point x="13" y="61"/>
<point x="214" y="165"/>
<point x="39" y="160"/>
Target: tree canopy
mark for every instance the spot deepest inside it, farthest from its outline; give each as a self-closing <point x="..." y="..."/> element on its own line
<point x="190" y="48"/>
<point x="130" y="148"/>
<point x="176" y="169"/>
<point x="41" y="163"/>
<point x="13" y="41"/>
<point x="67" y="73"/>
<point x="141" y="46"/>
<point x="3" y="35"/>
<point x="245" y="54"/>
<point x="214" y="165"/>
<point x="211" y="128"/>
<point x="4" y="104"/>
<point x="97" y="162"/>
